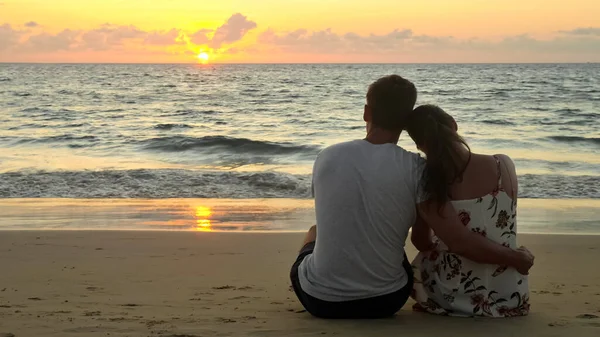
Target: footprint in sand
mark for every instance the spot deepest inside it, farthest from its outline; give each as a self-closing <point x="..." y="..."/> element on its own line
<point x="91" y="313"/>
<point x="588" y="316"/>
<point x="152" y="323"/>
<point x="225" y="320"/>
<point x="239" y="298"/>
<point x="227" y="287"/>
<point x="93" y="288"/>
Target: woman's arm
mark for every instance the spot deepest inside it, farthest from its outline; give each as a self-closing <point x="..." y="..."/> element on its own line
<point x="460" y="240"/>
<point x="421" y="235"/>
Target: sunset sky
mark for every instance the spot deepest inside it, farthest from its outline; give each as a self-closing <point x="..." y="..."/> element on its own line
<point x="299" y="31"/>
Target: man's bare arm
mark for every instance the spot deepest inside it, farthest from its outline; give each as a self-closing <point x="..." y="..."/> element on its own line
<point x="421" y="235"/>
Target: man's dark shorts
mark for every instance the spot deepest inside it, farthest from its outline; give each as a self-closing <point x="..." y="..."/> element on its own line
<point x="374" y="307"/>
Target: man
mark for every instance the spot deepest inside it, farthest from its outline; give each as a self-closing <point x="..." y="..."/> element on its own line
<point x="367" y="196"/>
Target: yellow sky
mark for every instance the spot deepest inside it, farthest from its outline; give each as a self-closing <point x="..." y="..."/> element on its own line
<point x="486" y="20"/>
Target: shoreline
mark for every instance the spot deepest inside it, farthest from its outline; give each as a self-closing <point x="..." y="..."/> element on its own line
<point x="535" y="216"/>
<point x="253" y="232"/>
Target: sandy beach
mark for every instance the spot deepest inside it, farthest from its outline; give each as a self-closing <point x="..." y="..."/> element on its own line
<point x="126" y="283"/>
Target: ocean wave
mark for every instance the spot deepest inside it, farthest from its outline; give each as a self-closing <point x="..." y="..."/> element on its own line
<point x="174" y="183"/>
<point x="172" y="126"/>
<point x="498" y="122"/>
<point x="188" y="112"/>
<point x="238" y="145"/>
<point x="33" y="109"/>
<point x="576" y="139"/>
<point x="559" y="187"/>
<point x="59" y="139"/>
<point x="153" y="184"/>
<point x="28" y="126"/>
<point x="548" y="121"/>
<point x="75" y="125"/>
<point x="568" y="111"/>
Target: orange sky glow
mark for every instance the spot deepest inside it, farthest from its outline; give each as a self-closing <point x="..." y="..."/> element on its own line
<point x="299" y="31"/>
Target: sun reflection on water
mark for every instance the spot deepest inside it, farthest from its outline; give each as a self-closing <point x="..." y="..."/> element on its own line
<point x="203" y="222"/>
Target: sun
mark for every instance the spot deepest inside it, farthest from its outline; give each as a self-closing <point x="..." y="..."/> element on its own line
<point x="203" y="57"/>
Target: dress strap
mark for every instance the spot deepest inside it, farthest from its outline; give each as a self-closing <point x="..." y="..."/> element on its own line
<point x="498" y="166"/>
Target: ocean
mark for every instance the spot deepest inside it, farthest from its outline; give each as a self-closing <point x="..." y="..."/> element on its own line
<point x="108" y="131"/>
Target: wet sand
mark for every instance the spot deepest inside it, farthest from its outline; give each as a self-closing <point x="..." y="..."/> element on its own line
<point x="139" y="283"/>
<point x="551" y="216"/>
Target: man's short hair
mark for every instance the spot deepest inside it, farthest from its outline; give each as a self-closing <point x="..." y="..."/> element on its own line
<point x="391" y="100"/>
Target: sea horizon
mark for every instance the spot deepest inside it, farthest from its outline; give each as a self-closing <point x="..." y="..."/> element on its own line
<point x="308" y="63"/>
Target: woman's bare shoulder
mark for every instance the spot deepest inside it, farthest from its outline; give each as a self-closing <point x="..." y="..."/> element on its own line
<point x="507" y="161"/>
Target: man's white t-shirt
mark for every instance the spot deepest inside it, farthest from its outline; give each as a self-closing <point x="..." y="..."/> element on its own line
<point x="365" y="202"/>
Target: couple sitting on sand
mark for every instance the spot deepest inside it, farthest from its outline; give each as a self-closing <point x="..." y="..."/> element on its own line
<point x="462" y="208"/>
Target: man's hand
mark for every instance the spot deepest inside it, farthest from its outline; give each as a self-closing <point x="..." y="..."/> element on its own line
<point x="525" y="261"/>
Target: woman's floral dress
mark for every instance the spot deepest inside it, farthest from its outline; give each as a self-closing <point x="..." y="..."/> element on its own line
<point x="447" y="284"/>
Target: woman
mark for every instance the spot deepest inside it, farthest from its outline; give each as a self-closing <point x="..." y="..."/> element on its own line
<point x="483" y="190"/>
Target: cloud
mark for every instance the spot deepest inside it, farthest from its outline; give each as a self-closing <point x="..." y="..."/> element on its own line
<point x="233" y="30"/>
<point x="108" y="36"/>
<point x="558" y="45"/>
<point x="45" y="42"/>
<point x="105" y="37"/>
<point x="406" y="42"/>
<point x="593" y="31"/>
<point x="300" y="45"/>
<point x="8" y="36"/>
<point x="326" y="41"/>
<point x="162" y="38"/>
<point x="200" y="36"/>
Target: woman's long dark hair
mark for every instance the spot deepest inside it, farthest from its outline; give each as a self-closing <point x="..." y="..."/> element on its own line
<point x="434" y="132"/>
